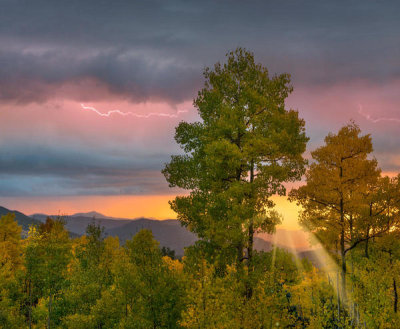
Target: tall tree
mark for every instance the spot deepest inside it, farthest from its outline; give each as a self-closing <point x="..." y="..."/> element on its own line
<point x="10" y="242"/>
<point x="335" y="186"/>
<point x="47" y="256"/>
<point x="11" y="270"/>
<point x="156" y="292"/>
<point x="245" y="147"/>
<point x="90" y="270"/>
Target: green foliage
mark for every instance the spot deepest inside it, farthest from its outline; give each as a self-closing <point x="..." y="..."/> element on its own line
<point x="158" y="291"/>
<point x="245" y="147"/>
<point x="10" y="272"/>
<point x="47" y="256"/>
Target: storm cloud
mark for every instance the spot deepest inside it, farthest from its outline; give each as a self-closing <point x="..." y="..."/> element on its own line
<point x="37" y="170"/>
<point x="148" y="56"/>
<point x="157" y="49"/>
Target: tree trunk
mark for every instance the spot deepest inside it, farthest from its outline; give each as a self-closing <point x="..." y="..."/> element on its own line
<point x="251" y="225"/>
<point x="395" y="296"/>
<point x="344" y="267"/>
<point x="351" y="242"/>
<point x="49" y="309"/>
<point x="249" y="289"/>
<point x="342" y="246"/>
<point x="367" y="243"/>
<point x="239" y="255"/>
<point x="30" y="304"/>
<point x="250" y="246"/>
<point x="351" y="229"/>
<point x="367" y="233"/>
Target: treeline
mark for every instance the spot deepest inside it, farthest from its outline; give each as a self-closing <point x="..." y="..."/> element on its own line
<point x="49" y="280"/>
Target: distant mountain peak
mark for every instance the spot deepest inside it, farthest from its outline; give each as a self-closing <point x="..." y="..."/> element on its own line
<point x="38" y="215"/>
<point x="95" y="214"/>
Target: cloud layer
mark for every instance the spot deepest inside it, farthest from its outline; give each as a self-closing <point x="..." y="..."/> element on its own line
<point x="157" y="50"/>
<point x="148" y="57"/>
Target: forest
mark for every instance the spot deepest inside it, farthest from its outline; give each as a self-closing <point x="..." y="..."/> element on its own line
<point x="246" y="148"/>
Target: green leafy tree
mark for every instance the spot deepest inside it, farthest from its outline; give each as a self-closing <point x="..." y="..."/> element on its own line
<point x="90" y="275"/>
<point x="245" y="147"/>
<point x="156" y="289"/>
<point x="47" y="256"/>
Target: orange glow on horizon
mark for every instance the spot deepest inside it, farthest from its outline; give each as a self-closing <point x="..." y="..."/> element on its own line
<point x="124" y="206"/>
<point x="121" y="206"/>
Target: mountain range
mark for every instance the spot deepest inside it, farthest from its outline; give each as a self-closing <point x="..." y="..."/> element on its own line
<point x="168" y="232"/>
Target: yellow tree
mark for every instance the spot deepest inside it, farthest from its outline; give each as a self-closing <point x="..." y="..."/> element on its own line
<point x="378" y="271"/>
<point x="335" y="184"/>
<point x="10" y="242"/>
<point x="380" y="207"/>
<point x="10" y="267"/>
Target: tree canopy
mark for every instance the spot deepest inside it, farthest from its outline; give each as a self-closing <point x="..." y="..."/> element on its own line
<point x="245" y="147"/>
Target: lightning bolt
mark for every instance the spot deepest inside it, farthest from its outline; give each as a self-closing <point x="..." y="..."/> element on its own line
<point x="375" y="120"/>
<point x="133" y="114"/>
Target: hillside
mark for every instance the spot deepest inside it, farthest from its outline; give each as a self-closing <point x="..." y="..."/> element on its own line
<point x="168" y="232"/>
<point x="77" y="223"/>
<point x="22" y="219"/>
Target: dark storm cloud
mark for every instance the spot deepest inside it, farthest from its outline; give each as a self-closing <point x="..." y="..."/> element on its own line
<point x="27" y="170"/>
<point x="134" y="183"/>
<point x="157" y="49"/>
<point x="74" y="161"/>
<point x="34" y="77"/>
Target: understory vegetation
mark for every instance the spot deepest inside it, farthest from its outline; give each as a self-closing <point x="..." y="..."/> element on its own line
<point x="49" y="280"/>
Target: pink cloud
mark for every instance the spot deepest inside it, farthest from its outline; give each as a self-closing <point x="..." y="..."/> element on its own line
<point x="375" y="107"/>
<point x="64" y="120"/>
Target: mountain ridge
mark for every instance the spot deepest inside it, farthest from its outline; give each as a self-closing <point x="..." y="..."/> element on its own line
<point x="168" y="232"/>
<point x="22" y="219"/>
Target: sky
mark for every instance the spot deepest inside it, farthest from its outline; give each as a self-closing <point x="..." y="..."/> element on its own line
<point x="90" y="91"/>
